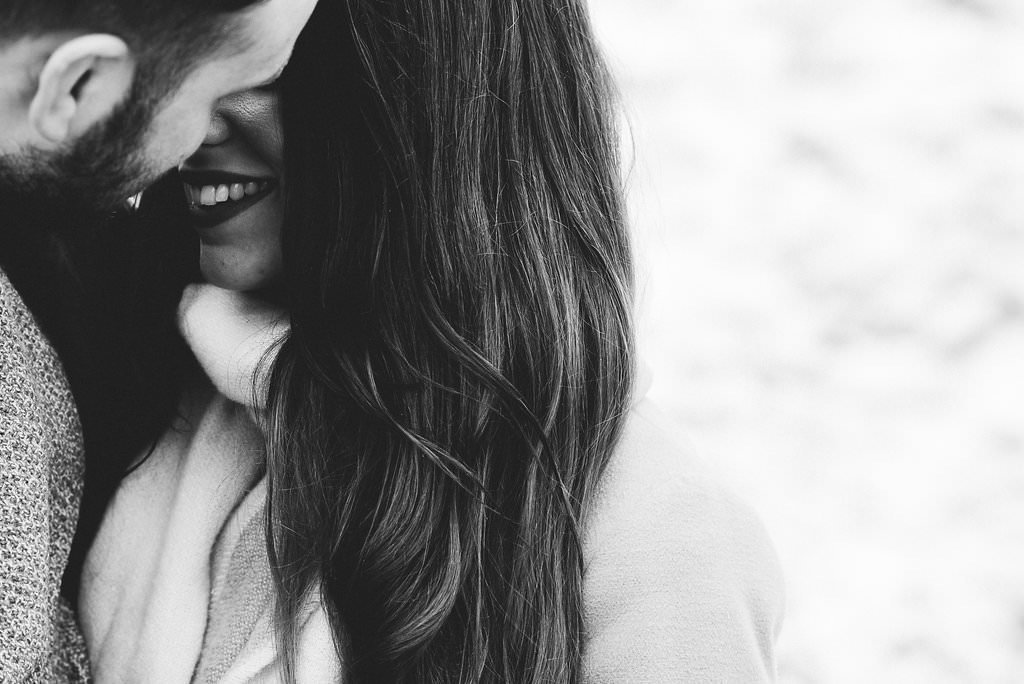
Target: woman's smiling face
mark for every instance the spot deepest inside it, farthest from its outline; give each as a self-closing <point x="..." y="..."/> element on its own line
<point x="234" y="187"/>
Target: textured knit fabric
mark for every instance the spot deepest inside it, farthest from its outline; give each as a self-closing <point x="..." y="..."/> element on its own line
<point x="41" y="471"/>
<point x="242" y="596"/>
<point x="681" y="584"/>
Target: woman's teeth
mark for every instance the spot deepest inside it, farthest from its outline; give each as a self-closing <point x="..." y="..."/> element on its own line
<point x="211" y="195"/>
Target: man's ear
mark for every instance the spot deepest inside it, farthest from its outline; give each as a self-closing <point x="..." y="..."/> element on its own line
<point x="82" y="83"/>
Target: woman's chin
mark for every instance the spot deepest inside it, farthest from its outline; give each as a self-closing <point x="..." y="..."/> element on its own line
<point x="237" y="276"/>
<point x="225" y="281"/>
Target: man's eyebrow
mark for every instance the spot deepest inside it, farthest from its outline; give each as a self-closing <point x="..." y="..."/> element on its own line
<point x="277" y="74"/>
<point x="270" y="80"/>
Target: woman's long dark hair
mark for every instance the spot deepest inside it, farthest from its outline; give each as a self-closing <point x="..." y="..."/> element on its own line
<point x="459" y="278"/>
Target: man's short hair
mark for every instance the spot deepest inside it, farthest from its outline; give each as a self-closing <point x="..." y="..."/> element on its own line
<point x="168" y="37"/>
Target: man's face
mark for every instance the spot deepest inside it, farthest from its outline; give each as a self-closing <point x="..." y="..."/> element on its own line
<point x="148" y="135"/>
<point x="267" y="35"/>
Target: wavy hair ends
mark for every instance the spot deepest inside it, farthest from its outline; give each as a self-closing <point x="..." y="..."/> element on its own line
<point x="461" y="357"/>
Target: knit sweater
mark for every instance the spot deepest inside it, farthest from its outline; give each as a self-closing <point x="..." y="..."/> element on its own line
<point x="41" y="471"/>
<point x="681" y="583"/>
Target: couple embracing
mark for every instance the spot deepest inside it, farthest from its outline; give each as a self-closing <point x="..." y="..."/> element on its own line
<point x="349" y="393"/>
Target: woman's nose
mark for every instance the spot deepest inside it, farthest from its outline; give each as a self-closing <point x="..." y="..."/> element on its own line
<point x="218" y="132"/>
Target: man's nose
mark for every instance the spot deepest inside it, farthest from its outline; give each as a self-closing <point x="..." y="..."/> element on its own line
<point x="218" y="131"/>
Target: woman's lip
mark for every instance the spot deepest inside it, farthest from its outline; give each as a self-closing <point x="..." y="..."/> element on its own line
<point x="208" y="216"/>
<point x="203" y="177"/>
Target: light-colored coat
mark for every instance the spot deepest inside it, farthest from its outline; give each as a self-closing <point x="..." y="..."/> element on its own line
<point x="681" y="582"/>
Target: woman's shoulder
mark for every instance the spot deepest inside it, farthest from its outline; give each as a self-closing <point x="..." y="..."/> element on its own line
<point x="656" y="479"/>
<point x="681" y="578"/>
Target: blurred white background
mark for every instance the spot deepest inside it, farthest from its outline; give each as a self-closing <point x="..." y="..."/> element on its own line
<point x="829" y="196"/>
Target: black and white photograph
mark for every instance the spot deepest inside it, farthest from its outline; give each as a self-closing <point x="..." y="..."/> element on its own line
<point x="511" y="341"/>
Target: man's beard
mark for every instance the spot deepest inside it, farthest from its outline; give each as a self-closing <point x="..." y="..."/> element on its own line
<point x="96" y="176"/>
